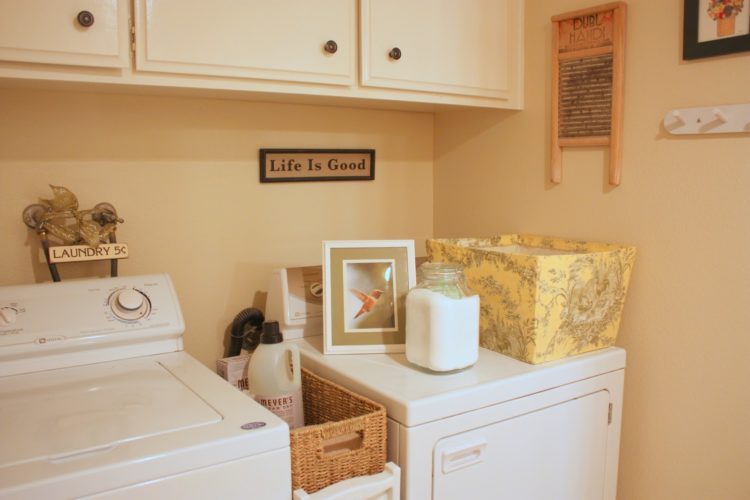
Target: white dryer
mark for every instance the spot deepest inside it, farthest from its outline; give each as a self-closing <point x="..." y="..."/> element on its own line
<point x="500" y="430"/>
<point x="98" y="400"/>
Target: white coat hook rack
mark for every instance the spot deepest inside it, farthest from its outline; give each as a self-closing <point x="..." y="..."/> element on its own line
<point x="724" y="119"/>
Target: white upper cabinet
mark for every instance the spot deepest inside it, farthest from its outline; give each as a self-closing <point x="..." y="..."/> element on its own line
<point x="413" y="52"/>
<point x="72" y="32"/>
<point x="466" y="47"/>
<point x="285" y="40"/>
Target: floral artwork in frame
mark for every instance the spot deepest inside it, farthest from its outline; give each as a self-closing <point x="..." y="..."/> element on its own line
<point x="715" y="27"/>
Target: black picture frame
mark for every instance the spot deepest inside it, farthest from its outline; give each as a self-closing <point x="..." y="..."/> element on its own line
<point x="265" y="152"/>
<point x="693" y="49"/>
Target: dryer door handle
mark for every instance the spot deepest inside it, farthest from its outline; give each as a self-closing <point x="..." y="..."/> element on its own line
<point x="459" y="457"/>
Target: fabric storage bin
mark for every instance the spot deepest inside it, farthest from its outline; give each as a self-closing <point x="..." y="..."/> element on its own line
<point x="344" y="436"/>
<point x="542" y="298"/>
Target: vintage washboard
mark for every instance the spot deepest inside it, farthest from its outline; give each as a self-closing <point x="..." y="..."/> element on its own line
<point x="587" y="76"/>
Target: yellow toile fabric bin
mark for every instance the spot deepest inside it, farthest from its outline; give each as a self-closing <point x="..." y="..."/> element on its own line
<point x="542" y="298"/>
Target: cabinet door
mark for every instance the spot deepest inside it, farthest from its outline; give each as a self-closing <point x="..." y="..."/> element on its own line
<point x="276" y="40"/>
<point x="471" y="47"/>
<point x="557" y="452"/>
<point x="49" y="31"/>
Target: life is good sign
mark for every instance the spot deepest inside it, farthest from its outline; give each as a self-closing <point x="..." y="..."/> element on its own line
<point x="78" y="253"/>
<point x="300" y="165"/>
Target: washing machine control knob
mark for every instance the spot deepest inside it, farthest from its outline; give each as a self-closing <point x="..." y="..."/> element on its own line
<point x="130" y="299"/>
<point x="129" y="304"/>
<point x="7" y="316"/>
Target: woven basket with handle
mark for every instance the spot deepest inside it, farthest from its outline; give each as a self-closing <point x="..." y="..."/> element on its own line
<point x="343" y="437"/>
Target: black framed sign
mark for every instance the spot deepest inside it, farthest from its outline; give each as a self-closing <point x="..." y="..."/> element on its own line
<point x="715" y="27"/>
<point x="305" y="165"/>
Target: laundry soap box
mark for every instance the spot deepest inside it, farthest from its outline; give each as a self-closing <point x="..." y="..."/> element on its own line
<point x="542" y="298"/>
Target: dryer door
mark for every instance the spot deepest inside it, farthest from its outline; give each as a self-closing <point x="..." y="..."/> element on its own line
<point x="556" y="452"/>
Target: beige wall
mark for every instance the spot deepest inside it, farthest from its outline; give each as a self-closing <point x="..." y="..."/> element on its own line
<point x="683" y="201"/>
<point x="183" y="173"/>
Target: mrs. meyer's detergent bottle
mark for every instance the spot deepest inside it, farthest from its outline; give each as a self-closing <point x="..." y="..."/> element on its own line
<point x="273" y="381"/>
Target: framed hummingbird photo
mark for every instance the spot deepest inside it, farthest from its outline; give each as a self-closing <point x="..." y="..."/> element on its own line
<point x="365" y="283"/>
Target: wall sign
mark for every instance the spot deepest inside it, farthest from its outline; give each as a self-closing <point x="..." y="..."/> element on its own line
<point x="299" y="165"/>
<point x="587" y="76"/>
<point x="82" y="232"/>
<point x="80" y="253"/>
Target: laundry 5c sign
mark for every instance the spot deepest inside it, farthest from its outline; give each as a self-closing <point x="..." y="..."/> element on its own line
<point x="76" y="253"/>
<point x="296" y="165"/>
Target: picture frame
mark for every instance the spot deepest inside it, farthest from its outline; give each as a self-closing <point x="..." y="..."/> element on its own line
<point x="715" y="27"/>
<point x="365" y="283"/>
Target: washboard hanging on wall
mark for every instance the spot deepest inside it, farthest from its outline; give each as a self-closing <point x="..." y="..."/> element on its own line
<point x="587" y="76"/>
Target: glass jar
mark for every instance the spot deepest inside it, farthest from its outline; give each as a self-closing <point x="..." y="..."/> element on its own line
<point x="442" y="319"/>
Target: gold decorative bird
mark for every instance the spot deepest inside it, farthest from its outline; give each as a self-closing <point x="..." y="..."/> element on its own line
<point x="63" y="199"/>
<point x="92" y="233"/>
<point x="368" y="301"/>
<point x="71" y="226"/>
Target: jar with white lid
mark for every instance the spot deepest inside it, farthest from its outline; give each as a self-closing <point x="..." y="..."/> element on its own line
<point x="442" y="319"/>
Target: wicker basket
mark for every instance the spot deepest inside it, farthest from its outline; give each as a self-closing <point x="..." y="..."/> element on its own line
<point x="344" y="436"/>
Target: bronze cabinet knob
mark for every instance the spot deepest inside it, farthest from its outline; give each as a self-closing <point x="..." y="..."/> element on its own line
<point x="331" y="47"/>
<point x="395" y="53"/>
<point x="85" y="18"/>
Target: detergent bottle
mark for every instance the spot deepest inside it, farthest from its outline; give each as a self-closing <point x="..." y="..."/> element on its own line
<point x="274" y="376"/>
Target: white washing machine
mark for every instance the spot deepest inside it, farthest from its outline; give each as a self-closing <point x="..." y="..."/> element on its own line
<point x="97" y="400"/>
<point x="500" y="430"/>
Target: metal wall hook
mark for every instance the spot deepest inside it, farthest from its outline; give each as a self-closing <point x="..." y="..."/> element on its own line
<point x="32" y="215"/>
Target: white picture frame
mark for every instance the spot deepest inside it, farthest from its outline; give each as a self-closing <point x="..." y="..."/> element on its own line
<point x="365" y="283"/>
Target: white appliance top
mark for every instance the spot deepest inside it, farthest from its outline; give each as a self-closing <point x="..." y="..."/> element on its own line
<point x="96" y="394"/>
<point x="53" y="325"/>
<point x="414" y="396"/>
<point x="88" y="429"/>
<point x="62" y="413"/>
